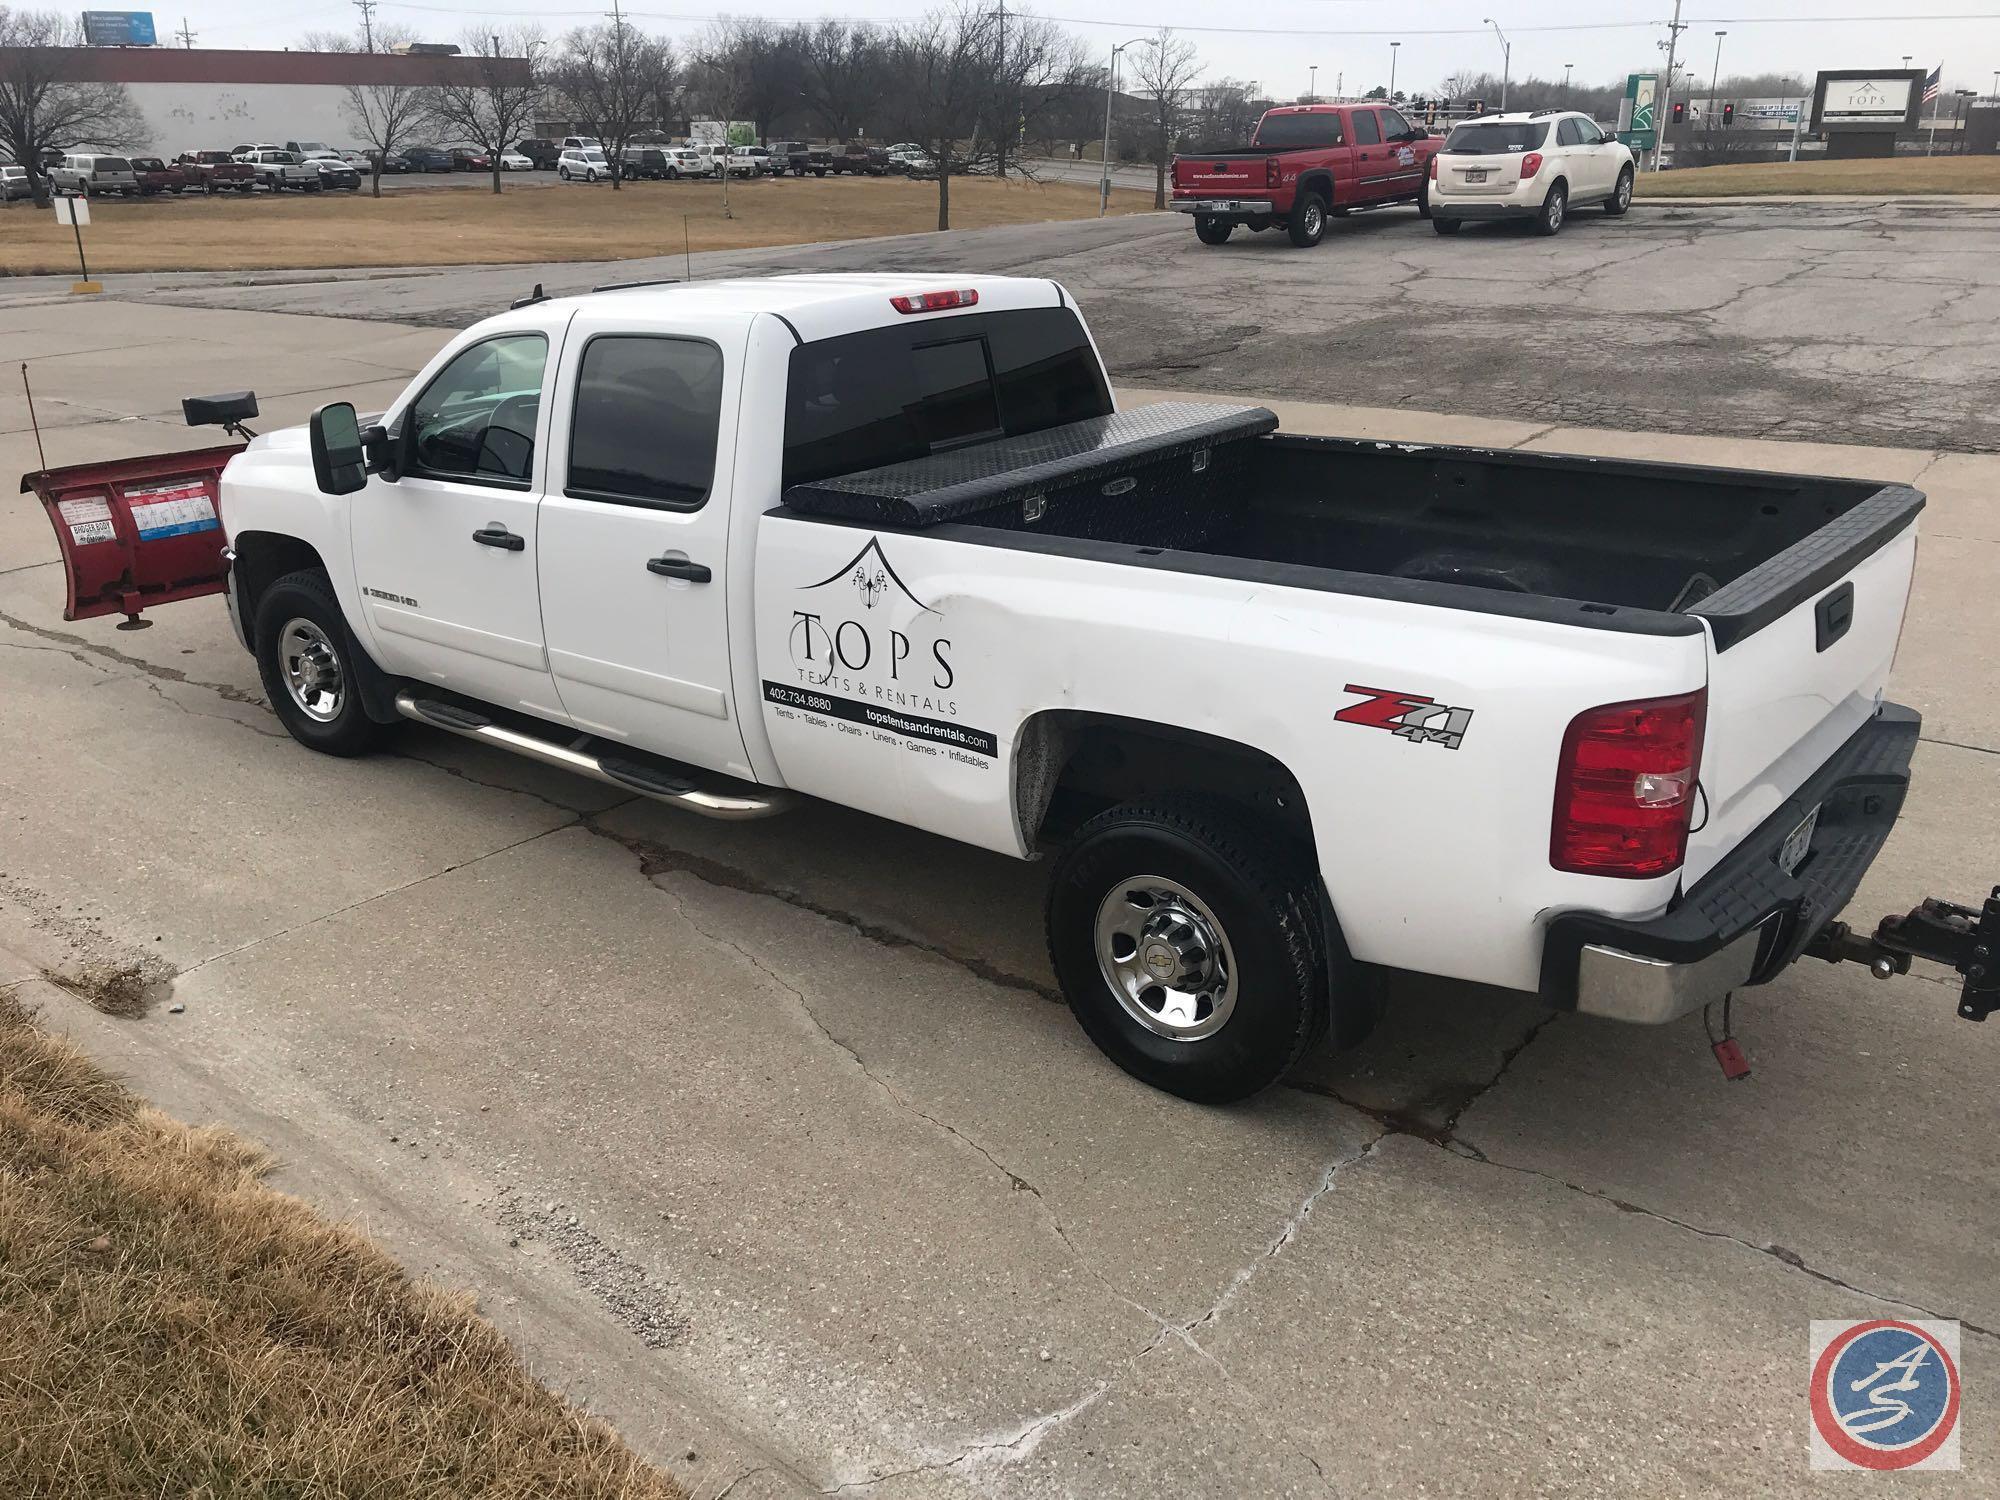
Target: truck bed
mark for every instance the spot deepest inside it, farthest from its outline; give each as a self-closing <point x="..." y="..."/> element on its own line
<point x="1194" y="487"/>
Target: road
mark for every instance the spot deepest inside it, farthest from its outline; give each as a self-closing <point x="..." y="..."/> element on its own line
<point x="1854" y="322"/>
<point x="768" y="1142"/>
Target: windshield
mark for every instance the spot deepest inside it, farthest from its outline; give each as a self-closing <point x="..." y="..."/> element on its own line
<point x="1497" y="137"/>
<point x="1299" y="130"/>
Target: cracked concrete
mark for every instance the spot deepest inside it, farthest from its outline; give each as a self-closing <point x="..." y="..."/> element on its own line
<point x="856" y="1208"/>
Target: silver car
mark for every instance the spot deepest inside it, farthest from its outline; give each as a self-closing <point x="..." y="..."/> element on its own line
<point x="88" y="174"/>
<point x="15" y="183"/>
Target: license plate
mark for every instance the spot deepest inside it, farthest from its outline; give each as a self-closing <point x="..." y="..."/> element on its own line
<point x="1792" y="853"/>
<point x="1479" y="176"/>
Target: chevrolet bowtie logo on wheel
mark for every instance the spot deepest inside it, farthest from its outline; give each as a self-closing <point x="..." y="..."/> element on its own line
<point x="1410" y="716"/>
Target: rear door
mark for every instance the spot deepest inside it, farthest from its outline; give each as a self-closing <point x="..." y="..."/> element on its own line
<point x="634" y="536"/>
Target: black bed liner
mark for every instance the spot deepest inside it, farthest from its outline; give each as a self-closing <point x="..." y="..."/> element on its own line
<point x="960" y="483"/>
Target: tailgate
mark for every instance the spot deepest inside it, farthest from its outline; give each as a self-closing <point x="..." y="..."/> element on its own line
<point x="1223" y="175"/>
<point x="1799" y="655"/>
<point x="1490" y="172"/>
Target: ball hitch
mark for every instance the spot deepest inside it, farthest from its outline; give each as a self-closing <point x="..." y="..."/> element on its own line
<point x="1961" y="938"/>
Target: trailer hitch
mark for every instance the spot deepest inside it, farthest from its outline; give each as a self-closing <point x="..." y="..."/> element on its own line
<point x="1943" y="932"/>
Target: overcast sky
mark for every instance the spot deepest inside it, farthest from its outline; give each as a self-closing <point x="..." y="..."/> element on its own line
<point x="1278" y="40"/>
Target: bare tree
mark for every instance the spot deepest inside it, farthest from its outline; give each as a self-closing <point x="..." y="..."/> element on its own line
<point x="718" y="79"/>
<point x="614" y="75"/>
<point x="841" y="68"/>
<point x="488" y="96"/>
<point x="1039" y="70"/>
<point x="1164" y="68"/>
<point x="42" y="106"/>
<point x="773" y="74"/>
<point x="386" y="116"/>
<point x="941" y="82"/>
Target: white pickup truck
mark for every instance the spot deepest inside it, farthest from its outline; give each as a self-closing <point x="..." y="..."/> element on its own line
<point x="1289" y="711"/>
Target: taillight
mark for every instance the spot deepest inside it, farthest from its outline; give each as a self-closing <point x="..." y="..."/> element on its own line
<point x="1434" y="169"/>
<point x="1270" y="171"/>
<point x="921" y="302"/>
<point x="1530" y="165"/>
<point x="1625" y="787"/>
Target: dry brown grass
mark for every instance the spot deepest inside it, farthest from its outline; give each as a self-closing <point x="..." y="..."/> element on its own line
<point x="169" y="1326"/>
<point x="528" y="222"/>
<point x="1902" y="175"/>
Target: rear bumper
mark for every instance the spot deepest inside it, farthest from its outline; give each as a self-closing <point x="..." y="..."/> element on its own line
<point x="1463" y="208"/>
<point x="1227" y="207"/>
<point x="1747" y="919"/>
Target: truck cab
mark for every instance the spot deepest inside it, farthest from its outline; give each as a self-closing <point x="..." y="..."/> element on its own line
<point x="1305" y="163"/>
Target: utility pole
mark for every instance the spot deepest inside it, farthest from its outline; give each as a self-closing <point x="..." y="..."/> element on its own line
<point x="1666" y="111"/>
<point x="1007" y="105"/>
<point x="1566" y="72"/>
<point x="1393" y="48"/>
<point x="367" y="9"/>
<point x="187" y="37"/>
<point x="1312" y="86"/>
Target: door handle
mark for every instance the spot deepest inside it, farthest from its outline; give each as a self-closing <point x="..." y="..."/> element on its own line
<point x="496" y="535"/>
<point x="679" y="567"/>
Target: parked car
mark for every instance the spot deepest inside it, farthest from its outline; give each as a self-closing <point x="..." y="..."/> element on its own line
<point x="394" y="162"/>
<point x="335" y="171"/>
<point x="758" y="157"/>
<point x="819" y="160"/>
<point x="540" y="150"/>
<point x="465" y="159"/>
<point x="1534" y="166"/>
<point x="1305" y="163"/>
<point x="426" y="159"/>
<point x="582" y="164"/>
<point x="862" y="160"/>
<point x="362" y="161"/>
<point x="514" y="161"/>
<point x="242" y="152"/>
<point x="305" y="149"/>
<point x="278" y="169"/>
<point x="15" y="183"/>
<point x="582" y="143"/>
<point x="91" y="175"/>
<point x="642" y="162"/>
<point x="685" y="161"/>
<point x="1626" y="748"/>
<point x="717" y="159"/>
<point x="157" y="176"/>
<point x="794" y="157"/>
<point x="910" y="159"/>
<point x="217" y="172"/>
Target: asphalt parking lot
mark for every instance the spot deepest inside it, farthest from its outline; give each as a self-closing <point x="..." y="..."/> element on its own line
<point x="767" y="1140"/>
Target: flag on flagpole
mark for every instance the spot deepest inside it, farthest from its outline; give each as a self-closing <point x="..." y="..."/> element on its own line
<point x="1931" y="83"/>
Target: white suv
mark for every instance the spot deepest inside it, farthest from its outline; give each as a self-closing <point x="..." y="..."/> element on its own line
<point x="585" y="163"/>
<point x="1528" y="166"/>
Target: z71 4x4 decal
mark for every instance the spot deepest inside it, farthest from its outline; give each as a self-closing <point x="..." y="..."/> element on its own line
<point x="1410" y="716"/>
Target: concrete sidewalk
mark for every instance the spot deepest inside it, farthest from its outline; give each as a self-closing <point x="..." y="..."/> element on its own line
<point x="767" y="1142"/>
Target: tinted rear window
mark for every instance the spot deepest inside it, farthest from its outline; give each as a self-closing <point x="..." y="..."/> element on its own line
<point x="112" y="164"/>
<point x="1299" y="130"/>
<point x="646" y="416"/>
<point x="890" y="394"/>
<point x="1496" y="137"/>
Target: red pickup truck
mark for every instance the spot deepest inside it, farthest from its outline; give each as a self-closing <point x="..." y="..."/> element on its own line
<point x="156" y="176"/>
<point x="216" y="172"/>
<point x="1307" y="161"/>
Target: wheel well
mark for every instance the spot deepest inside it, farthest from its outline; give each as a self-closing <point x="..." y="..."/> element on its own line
<point x="262" y="558"/>
<point x="1070" y="765"/>
<point x="1315" y="182"/>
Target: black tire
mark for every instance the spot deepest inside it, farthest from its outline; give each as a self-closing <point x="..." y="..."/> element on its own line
<point x="1264" y="907"/>
<point x="1555" y="208"/>
<point x="563" y="173"/>
<point x="1211" y="230"/>
<point x="1446" y="226"/>
<point x="1307" y="222"/>
<point x="299" y="618"/>
<point x="1424" y="199"/>
<point x="1620" y="201"/>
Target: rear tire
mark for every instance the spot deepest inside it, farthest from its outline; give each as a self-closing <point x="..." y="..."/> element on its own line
<point x="1554" y="209"/>
<point x="1307" y="224"/>
<point x="1211" y="230"/>
<point x="1446" y="226"/>
<point x="307" y="658"/>
<point x="1621" y="196"/>
<point x="1189" y="946"/>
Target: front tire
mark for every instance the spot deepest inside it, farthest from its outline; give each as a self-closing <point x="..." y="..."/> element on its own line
<point x="1424" y="199"/>
<point x="1307" y="225"/>
<point x="1211" y="230"/>
<point x="1189" y="947"/>
<point x="307" y="658"/>
<point x="563" y="173"/>
<point x="1621" y="196"/>
<point x="1554" y="209"/>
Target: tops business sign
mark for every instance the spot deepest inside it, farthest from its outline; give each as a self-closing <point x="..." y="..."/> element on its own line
<point x="1882" y="100"/>
<point x="119" y="28"/>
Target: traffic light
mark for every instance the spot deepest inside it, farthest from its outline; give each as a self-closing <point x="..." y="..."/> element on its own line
<point x="1729" y="113"/>
<point x="1680" y="111"/>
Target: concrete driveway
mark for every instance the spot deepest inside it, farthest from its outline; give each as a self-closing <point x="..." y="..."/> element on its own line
<point x="770" y="1143"/>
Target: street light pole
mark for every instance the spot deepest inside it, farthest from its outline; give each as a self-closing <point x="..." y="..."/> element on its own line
<point x="1312" y="83"/>
<point x="1713" y="79"/>
<point x="1506" y="61"/>
<point x="1110" y="88"/>
<point x="1393" y="47"/>
<point x="1566" y="73"/>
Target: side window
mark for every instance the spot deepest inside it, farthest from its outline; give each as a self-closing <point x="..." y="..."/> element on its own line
<point x="476" y="419"/>
<point x="1393" y="124"/>
<point x="1366" y="131"/>
<point x="1567" y="134"/>
<point x="645" y="423"/>
<point x="1588" y="134"/>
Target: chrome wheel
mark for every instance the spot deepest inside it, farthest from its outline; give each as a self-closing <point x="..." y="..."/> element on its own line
<point x="1315" y="221"/>
<point x="313" y="674"/>
<point x="1624" y="191"/>
<point x="1166" y="958"/>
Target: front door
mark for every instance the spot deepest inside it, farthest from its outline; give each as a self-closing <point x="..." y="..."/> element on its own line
<point x="444" y="555"/>
<point x="1406" y="166"/>
<point x="634" y="535"/>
